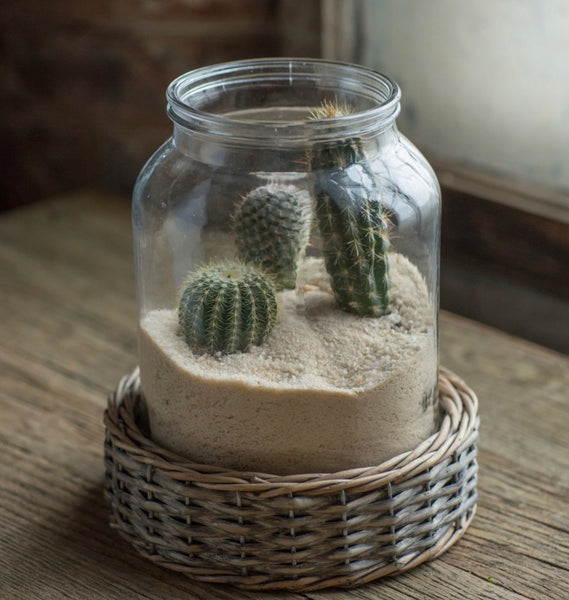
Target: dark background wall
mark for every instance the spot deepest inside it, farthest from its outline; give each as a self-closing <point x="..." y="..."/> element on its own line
<point x="83" y="81"/>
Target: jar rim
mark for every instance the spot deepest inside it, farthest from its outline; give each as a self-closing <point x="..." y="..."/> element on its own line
<point x="188" y="93"/>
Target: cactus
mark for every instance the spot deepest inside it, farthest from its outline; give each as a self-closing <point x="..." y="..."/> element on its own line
<point x="227" y="308"/>
<point x="272" y="228"/>
<point x="330" y="109"/>
<point x="352" y="221"/>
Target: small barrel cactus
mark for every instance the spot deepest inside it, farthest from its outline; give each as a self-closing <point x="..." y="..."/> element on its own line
<point x="272" y="228"/>
<point x="353" y="223"/>
<point x="227" y="308"/>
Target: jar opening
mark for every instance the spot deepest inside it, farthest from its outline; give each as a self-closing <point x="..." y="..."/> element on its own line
<point x="274" y="99"/>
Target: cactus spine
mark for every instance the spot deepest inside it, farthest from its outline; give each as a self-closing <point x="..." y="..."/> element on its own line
<point x="227" y="308"/>
<point x="352" y="221"/>
<point x="272" y="229"/>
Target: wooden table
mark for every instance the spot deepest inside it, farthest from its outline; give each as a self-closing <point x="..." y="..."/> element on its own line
<point x="68" y="321"/>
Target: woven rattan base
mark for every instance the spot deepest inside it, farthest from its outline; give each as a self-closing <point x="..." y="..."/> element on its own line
<point x="301" y="532"/>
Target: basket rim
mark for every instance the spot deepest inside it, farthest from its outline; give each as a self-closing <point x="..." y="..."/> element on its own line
<point x="459" y="424"/>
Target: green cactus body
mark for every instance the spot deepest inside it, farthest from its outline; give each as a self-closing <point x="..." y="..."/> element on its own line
<point x="272" y="229"/>
<point x="227" y="308"/>
<point x="354" y="227"/>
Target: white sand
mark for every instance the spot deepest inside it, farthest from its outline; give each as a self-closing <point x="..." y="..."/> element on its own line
<point x="327" y="390"/>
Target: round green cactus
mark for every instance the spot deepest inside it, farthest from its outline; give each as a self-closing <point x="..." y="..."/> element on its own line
<point x="272" y="228"/>
<point x="227" y="308"/>
<point x="353" y="223"/>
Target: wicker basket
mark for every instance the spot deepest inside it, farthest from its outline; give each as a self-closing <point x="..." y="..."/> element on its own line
<point x="301" y="532"/>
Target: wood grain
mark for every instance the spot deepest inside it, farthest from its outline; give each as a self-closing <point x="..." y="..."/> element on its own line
<point x="69" y="333"/>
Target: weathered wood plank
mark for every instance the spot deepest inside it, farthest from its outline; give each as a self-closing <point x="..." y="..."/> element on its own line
<point x="69" y="274"/>
<point x="507" y="267"/>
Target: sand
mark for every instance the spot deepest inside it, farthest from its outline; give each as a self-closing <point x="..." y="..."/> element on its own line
<point x="327" y="391"/>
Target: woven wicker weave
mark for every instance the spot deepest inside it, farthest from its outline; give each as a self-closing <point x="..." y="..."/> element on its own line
<point x="301" y="532"/>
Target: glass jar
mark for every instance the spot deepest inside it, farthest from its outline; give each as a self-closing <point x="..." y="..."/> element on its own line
<point x="287" y="267"/>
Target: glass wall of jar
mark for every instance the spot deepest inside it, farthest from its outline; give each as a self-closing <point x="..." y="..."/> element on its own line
<point x="287" y="267"/>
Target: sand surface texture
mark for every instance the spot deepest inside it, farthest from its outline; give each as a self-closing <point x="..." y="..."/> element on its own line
<point x="327" y="390"/>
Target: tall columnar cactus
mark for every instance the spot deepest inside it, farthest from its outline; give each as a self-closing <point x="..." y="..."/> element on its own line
<point x="272" y="229"/>
<point x="353" y="223"/>
<point x="227" y="308"/>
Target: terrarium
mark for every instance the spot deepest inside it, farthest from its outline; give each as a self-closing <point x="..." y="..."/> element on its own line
<point x="289" y="427"/>
<point x="287" y="248"/>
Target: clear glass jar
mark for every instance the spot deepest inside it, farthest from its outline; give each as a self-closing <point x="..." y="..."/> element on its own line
<point x="287" y="267"/>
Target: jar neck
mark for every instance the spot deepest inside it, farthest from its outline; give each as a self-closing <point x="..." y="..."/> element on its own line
<point x="207" y="147"/>
<point x="274" y="103"/>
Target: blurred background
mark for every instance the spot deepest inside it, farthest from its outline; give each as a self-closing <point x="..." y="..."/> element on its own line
<point x="485" y="97"/>
<point x="83" y="82"/>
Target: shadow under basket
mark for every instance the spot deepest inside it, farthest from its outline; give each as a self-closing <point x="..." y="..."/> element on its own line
<point x="295" y="532"/>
